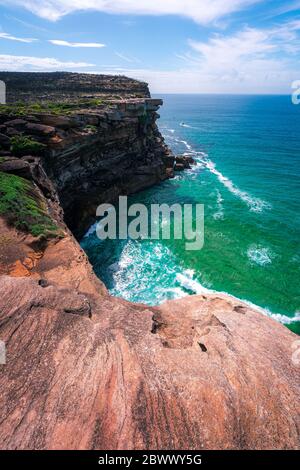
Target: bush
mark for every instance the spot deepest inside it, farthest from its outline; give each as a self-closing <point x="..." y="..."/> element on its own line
<point x="22" y="145"/>
<point x="22" y="207"/>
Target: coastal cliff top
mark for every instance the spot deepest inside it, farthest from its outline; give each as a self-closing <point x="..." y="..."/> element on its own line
<point x="32" y="87"/>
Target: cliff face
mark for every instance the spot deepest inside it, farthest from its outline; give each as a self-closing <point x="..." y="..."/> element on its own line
<point x="85" y="370"/>
<point x="96" y="156"/>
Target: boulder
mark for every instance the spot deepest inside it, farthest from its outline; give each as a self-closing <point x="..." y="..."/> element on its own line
<point x="189" y="159"/>
<point x="182" y="160"/>
<point x="11" y="131"/>
<point x="17" y="167"/>
<point x="62" y="122"/>
<point x="179" y="167"/>
<point x="40" y="129"/>
<point x="16" y="123"/>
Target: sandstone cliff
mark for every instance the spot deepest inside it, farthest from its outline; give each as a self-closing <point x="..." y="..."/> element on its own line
<point x="92" y="155"/>
<point x="88" y="371"/>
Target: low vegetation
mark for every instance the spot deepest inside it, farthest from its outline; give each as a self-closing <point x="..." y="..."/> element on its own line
<point x="23" y="145"/>
<point x="22" y="207"/>
<point x="66" y="108"/>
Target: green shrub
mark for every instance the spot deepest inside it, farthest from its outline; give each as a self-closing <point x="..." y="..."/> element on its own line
<point x="22" y="207"/>
<point x="22" y="145"/>
<point x="21" y="109"/>
<point x="91" y="128"/>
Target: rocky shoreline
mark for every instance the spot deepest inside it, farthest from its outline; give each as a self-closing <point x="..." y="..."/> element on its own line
<point x="85" y="370"/>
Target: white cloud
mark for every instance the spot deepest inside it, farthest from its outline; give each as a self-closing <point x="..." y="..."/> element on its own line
<point x="127" y="58"/>
<point x="14" y="38"/>
<point x="58" y="42"/>
<point x="24" y="63"/>
<point x="201" y="11"/>
<point x="286" y="8"/>
<point x="250" y="61"/>
<point x="256" y="79"/>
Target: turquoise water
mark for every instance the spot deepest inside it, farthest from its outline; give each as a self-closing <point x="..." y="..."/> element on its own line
<point x="247" y="150"/>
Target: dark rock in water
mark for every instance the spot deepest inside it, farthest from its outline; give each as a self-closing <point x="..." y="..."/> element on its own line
<point x="170" y="172"/>
<point x="190" y="159"/>
<point x="185" y="160"/>
<point x="179" y="167"/>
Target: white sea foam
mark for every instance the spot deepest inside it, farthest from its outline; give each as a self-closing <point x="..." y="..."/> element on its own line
<point x="185" y="143"/>
<point x="186" y="280"/>
<point x="177" y="292"/>
<point x="95" y="226"/>
<point x="260" y="255"/>
<point x="219" y="215"/>
<point x="255" y="204"/>
<point x="166" y="129"/>
<point x="91" y="230"/>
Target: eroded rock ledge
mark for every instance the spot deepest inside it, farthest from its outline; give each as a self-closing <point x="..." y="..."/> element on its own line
<point x="88" y="371"/>
<point x="91" y="156"/>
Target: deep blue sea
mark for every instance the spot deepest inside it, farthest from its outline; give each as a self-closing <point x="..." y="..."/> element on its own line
<point x="247" y="175"/>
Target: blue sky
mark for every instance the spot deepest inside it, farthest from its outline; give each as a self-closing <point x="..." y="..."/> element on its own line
<point x="178" y="46"/>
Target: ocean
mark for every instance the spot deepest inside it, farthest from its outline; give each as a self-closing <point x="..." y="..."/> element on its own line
<point x="247" y="175"/>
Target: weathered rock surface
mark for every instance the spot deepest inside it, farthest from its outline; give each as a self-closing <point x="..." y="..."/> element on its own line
<point x="86" y="371"/>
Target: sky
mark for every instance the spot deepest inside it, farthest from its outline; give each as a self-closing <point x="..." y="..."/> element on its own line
<point x="177" y="46"/>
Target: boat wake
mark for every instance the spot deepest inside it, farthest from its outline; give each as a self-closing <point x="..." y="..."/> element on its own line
<point x="183" y="124"/>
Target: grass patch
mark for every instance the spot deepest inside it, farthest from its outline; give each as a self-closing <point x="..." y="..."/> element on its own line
<point x="22" y="145"/>
<point x="22" y="207"/>
<point x="51" y="107"/>
<point x="90" y="127"/>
